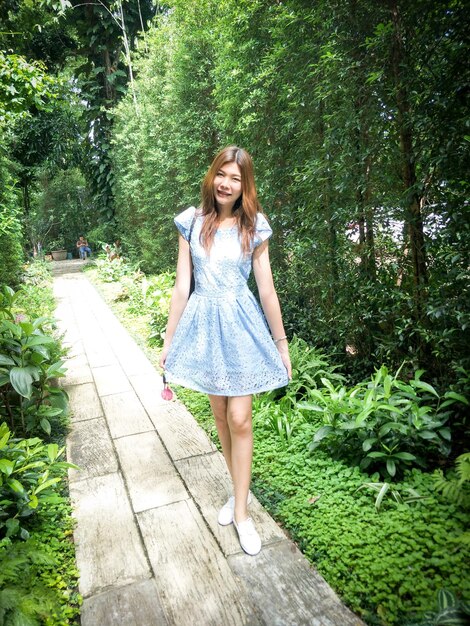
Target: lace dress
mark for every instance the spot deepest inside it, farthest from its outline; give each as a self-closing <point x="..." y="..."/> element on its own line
<point x="222" y="344"/>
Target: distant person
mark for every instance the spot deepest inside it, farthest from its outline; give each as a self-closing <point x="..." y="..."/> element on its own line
<point x="217" y="340"/>
<point x="83" y="248"/>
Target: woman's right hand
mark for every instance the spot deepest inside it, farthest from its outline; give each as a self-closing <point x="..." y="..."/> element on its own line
<point x="163" y="356"/>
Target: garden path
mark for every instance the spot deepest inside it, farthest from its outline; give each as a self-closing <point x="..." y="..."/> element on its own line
<point x="149" y="549"/>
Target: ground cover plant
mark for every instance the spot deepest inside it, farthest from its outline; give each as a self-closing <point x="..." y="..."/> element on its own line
<point x="387" y="565"/>
<point x="38" y="576"/>
<point x="388" y="544"/>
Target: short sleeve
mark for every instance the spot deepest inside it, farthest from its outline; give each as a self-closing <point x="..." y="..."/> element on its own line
<point x="263" y="230"/>
<point x="184" y="220"/>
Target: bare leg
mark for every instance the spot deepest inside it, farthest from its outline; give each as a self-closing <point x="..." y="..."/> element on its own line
<point x="219" y="409"/>
<point x="241" y="432"/>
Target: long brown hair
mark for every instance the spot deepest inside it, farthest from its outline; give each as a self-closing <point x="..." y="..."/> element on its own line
<point x="246" y="207"/>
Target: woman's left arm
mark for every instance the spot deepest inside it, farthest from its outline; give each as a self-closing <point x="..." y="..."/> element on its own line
<point x="270" y="301"/>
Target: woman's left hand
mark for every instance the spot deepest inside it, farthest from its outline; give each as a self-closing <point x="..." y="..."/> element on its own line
<point x="284" y="352"/>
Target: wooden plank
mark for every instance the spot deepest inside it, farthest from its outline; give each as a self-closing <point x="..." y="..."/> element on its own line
<point x="288" y="591"/>
<point x="110" y="379"/>
<point x="125" y="414"/>
<point x="133" y="605"/>
<point x="84" y="402"/>
<point x="195" y="583"/>
<point x="177" y="428"/>
<point x="90" y="447"/>
<point x="151" y="477"/>
<point x="78" y="372"/>
<point x="108" y="546"/>
<point x="209" y="484"/>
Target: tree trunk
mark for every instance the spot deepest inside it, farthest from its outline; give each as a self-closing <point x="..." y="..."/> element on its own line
<point x="413" y="214"/>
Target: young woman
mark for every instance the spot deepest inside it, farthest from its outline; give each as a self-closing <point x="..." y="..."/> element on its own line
<point x="217" y="342"/>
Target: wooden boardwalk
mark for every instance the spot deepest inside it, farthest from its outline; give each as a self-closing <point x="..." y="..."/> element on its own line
<point x="149" y="549"/>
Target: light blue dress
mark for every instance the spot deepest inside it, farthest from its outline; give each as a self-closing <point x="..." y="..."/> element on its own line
<point x="222" y="344"/>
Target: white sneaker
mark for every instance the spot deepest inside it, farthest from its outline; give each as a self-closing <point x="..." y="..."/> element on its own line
<point x="226" y="512"/>
<point x="249" y="538"/>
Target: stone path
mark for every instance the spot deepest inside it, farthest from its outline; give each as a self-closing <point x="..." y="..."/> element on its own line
<point x="149" y="549"/>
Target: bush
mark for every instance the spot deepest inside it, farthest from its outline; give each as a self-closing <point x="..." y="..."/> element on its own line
<point x="26" y="371"/>
<point x="383" y="423"/>
<point x="11" y="253"/>
<point x="28" y="470"/>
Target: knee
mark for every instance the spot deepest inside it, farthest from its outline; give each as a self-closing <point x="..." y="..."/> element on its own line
<point x="240" y="423"/>
<point x="220" y="418"/>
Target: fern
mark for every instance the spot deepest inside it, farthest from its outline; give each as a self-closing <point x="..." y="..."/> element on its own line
<point x="456" y="489"/>
<point x="24" y="599"/>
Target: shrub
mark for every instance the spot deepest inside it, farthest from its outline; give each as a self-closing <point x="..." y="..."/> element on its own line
<point x="383" y="423"/>
<point x="26" y="371"/>
<point x="28" y="470"/>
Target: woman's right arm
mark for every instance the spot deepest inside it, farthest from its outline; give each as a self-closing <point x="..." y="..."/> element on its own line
<point x="180" y="295"/>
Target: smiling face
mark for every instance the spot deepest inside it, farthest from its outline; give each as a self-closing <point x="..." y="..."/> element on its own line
<point x="227" y="185"/>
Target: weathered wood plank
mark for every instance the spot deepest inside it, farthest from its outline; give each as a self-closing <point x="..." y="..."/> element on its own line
<point x="109" y="550"/>
<point x="84" y="402"/>
<point x="151" y="477"/>
<point x="110" y="379"/>
<point x="125" y="414"/>
<point x="288" y="591"/>
<point x="195" y="583"/>
<point x="90" y="447"/>
<point x="176" y="426"/>
<point x="78" y="372"/>
<point x="209" y="484"/>
<point x="133" y="605"/>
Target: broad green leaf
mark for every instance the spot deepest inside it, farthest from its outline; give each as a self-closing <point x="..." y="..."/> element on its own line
<point x="45" y="425"/>
<point x="6" y="360"/>
<point x="425" y="386"/>
<point x="15" y="485"/>
<point x="456" y="396"/>
<point x="12" y="526"/>
<point x="427" y="434"/>
<point x="378" y="501"/>
<point x="6" y="466"/>
<point x="391" y="467"/>
<point x="38" y="340"/>
<point x="52" y="451"/>
<point x="446" y="599"/>
<point x="47" y="484"/>
<point x="27" y="328"/>
<point x="21" y="381"/>
<point x="404" y="456"/>
<point x="321" y="433"/>
<point x="368" y="443"/>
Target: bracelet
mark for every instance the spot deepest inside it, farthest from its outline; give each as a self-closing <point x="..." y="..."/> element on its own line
<point x="280" y="339"/>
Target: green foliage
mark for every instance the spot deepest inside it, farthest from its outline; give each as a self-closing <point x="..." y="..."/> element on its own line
<point x="309" y="367"/>
<point x="315" y="92"/>
<point x="386" y="567"/>
<point x="29" y="398"/>
<point x="456" y="489"/>
<point x="38" y="577"/>
<point x="113" y="271"/>
<point x="29" y="469"/>
<point x="23" y="599"/>
<point x="22" y="85"/>
<point x="384" y="423"/>
<point x="450" y="611"/>
<point x="11" y="235"/>
<point x="384" y="489"/>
